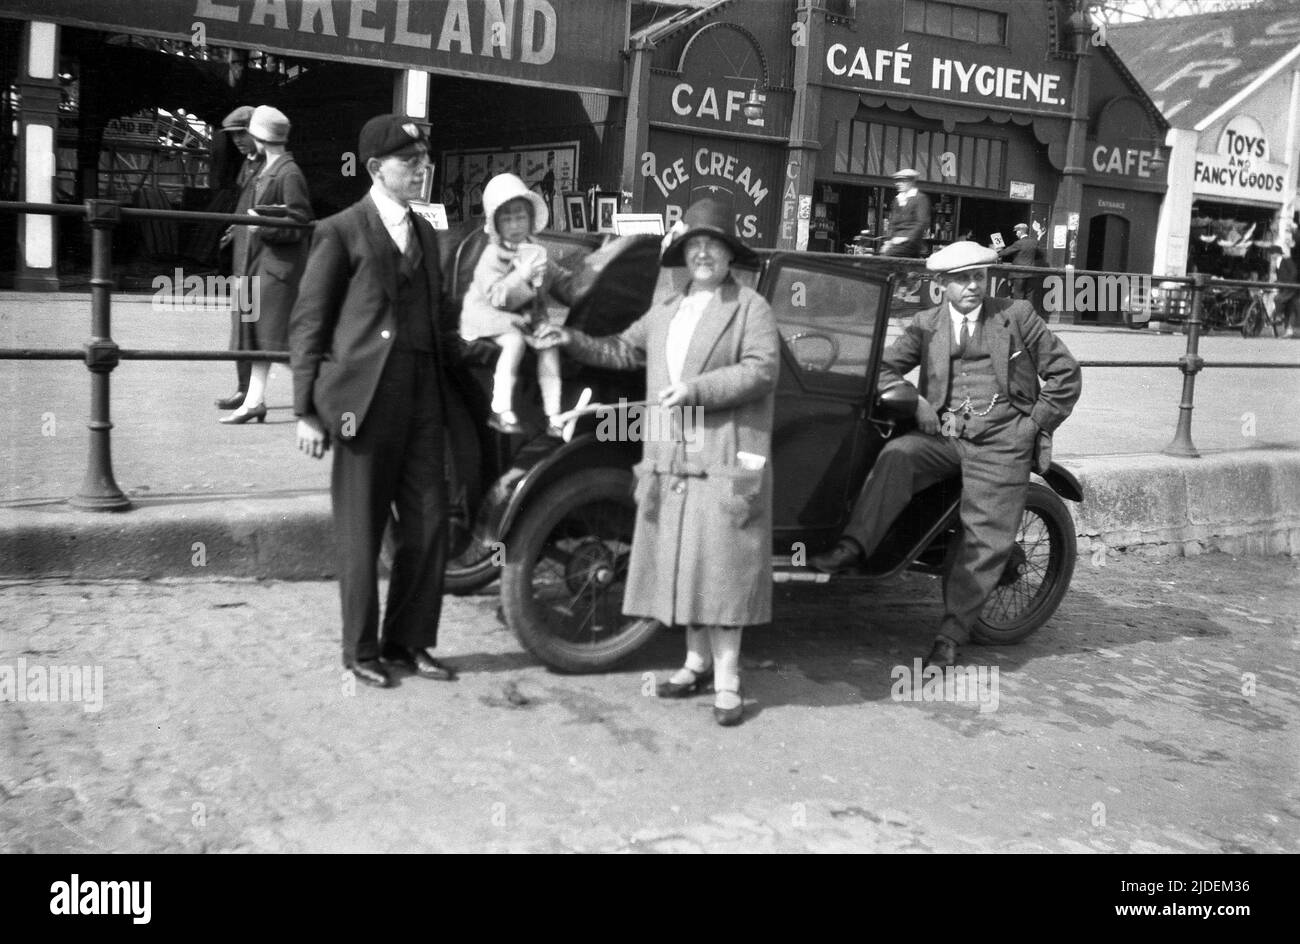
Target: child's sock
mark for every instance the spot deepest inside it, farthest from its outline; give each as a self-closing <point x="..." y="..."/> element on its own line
<point x="548" y="377"/>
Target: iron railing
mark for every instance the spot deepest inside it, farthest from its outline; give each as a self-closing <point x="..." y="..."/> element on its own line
<point x="100" y="492"/>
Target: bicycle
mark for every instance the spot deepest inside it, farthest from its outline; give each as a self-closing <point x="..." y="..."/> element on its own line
<point x="1234" y="309"/>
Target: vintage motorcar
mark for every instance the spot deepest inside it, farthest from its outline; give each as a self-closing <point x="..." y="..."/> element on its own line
<point x="553" y="519"/>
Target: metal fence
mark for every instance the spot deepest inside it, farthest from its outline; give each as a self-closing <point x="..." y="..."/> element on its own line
<point x="1183" y="297"/>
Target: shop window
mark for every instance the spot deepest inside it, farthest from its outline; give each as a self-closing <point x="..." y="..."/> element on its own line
<point x="955" y="21"/>
<point x="878" y="150"/>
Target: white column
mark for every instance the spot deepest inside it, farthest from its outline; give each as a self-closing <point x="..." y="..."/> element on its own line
<point x="411" y="94"/>
<point x="1175" y="225"/>
<point x="38" y="141"/>
<point x="1290" y="157"/>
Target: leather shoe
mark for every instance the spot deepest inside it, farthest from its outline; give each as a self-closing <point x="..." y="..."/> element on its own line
<point x="942" y="655"/>
<point x="422" y="664"/>
<point x="730" y="717"/>
<point x="232" y="402"/>
<point x="699" y="683"/>
<point x="370" y="672"/>
<point x="845" y="555"/>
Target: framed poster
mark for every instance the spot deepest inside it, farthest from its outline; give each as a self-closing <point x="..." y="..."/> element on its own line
<point x="575" y="212"/>
<point x="549" y="169"/>
<point x="629" y="224"/>
<point x="606" y="208"/>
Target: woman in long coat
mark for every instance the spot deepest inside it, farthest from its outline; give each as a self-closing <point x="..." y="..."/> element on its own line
<point x="270" y="258"/>
<point x="701" y="551"/>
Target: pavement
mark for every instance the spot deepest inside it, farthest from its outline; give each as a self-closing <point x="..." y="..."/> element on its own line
<point x="1157" y="712"/>
<point x="240" y="501"/>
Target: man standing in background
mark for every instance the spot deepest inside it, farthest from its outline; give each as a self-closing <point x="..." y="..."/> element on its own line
<point x="1022" y="252"/>
<point x="909" y="220"/>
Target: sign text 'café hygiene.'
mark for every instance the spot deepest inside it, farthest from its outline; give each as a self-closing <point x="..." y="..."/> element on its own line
<point x="904" y="70"/>
<point x="1241" y="169"/>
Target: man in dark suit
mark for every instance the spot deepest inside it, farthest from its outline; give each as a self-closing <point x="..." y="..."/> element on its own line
<point x="910" y="218"/>
<point x="982" y="413"/>
<point x="369" y="357"/>
<point x="1023" y="252"/>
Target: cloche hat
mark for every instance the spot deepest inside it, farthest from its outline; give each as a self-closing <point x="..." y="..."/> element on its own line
<point x="269" y="125"/>
<point x="707" y="217"/>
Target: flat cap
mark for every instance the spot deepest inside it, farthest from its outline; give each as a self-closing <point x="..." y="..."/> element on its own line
<point x="1021" y="227"/>
<point x="384" y="134"/>
<point x="961" y="255"/>
<point x="238" y="119"/>
<point x="269" y="124"/>
<point x="906" y="173"/>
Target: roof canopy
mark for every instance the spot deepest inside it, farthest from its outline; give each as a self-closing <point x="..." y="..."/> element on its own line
<point x="1194" y="67"/>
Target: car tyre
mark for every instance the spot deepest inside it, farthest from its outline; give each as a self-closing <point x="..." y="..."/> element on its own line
<point x="565" y="568"/>
<point x="1038" y="574"/>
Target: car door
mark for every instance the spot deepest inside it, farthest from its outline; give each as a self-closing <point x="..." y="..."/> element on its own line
<point x="832" y="316"/>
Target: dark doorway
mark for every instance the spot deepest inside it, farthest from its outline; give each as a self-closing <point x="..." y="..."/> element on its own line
<point x="1108" y="243"/>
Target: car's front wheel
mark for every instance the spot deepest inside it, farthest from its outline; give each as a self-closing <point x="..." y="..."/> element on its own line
<point x="565" y="569"/>
<point x="1036" y="576"/>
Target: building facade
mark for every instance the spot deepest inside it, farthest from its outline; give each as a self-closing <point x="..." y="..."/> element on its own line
<point x="1229" y="86"/>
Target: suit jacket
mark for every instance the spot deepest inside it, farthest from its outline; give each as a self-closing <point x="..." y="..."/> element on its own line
<point x="911" y="219"/>
<point x="1022" y="348"/>
<point x="1024" y="251"/>
<point x="343" y="325"/>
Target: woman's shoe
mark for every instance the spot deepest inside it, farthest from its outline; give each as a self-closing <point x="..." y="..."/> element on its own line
<point x="244" y="414"/>
<point x="506" y="423"/>
<point x="699" y="681"/>
<point x="729" y="717"/>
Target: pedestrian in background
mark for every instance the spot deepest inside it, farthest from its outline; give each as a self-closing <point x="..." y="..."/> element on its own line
<point x="702" y="547"/>
<point x="235" y="124"/>
<point x="270" y="258"/>
<point x="369" y="377"/>
<point x="1022" y="252"/>
<point x="1287" y="309"/>
<point x="910" y="218"/>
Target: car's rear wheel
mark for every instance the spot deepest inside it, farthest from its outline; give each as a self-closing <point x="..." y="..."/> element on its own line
<point x="565" y="570"/>
<point x="1037" y="575"/>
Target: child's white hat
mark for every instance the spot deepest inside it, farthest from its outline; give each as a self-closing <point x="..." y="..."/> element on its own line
<point x="503" y="188"/>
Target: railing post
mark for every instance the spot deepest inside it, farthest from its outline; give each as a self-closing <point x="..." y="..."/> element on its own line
<point x="1190" y="364"/>
<point x="99" y="491"/>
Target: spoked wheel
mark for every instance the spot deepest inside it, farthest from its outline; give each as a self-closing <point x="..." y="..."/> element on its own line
<point x="1253" y="324"/>
<point x="1037" y="574"/>
<point x="566" y="567"/>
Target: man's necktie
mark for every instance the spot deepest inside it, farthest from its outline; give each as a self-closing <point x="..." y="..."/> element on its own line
<point x="964" y="336"/>
<point x="412" y="255"/>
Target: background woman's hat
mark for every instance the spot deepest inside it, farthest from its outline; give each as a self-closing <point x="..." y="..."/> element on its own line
<point x="269" y="124"/>
<point x="708" y="217"/>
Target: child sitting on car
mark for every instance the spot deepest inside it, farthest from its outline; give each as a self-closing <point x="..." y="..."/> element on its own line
<point x="506" y="300"/>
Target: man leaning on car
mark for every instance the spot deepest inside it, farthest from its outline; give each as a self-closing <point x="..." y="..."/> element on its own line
<point x="983" y="414"/>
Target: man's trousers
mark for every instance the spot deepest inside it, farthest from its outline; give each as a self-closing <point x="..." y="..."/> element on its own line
<point x="994" y="465"/>
<point x="396" y="461"/>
